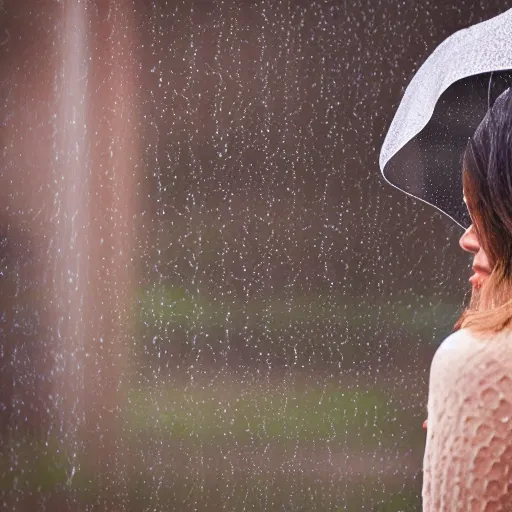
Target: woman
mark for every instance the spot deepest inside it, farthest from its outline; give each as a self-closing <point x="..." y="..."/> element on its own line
<point x="468" y="455"/>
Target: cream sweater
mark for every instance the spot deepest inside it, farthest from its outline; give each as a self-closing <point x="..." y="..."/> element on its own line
<point x="468" y="454"/>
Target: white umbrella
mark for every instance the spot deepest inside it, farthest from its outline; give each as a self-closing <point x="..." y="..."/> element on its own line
<point x="441" y="108"/>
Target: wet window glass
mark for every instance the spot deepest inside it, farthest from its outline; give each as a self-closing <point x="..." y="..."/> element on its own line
<point x="210" y="298"/>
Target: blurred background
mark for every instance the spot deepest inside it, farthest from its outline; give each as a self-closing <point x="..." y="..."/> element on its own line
<point x="210" y="299"/>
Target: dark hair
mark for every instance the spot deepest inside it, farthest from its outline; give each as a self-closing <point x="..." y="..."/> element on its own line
<point x="487" y="180"/>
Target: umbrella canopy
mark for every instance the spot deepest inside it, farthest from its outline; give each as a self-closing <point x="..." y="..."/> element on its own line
<point x="441" y="108"/>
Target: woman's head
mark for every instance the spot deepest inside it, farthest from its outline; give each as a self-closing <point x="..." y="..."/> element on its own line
<point x="487" y="180"/>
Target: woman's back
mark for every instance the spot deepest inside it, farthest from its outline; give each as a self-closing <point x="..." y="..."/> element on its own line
<point x="468" y="455"/>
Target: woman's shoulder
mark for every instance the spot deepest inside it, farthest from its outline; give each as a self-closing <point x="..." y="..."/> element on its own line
<point x="463" y="345"/>
<point x="465" y="361"/>
<point x="456" y="350"/>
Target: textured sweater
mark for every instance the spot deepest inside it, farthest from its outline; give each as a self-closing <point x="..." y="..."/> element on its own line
<point x="468" y="454"/>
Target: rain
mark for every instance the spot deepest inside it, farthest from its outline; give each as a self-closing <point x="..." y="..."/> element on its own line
<point x="210" y="298"/>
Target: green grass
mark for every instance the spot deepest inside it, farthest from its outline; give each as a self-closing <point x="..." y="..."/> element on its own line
<point x="368" y="419"/>
<point x="40" y="473"/>
<point x="291" y="493"/>
<point x="187" y="310"/>
<point x="191" y="418"/>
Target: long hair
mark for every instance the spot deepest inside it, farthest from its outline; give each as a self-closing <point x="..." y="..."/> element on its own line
<point x="487" y="181"/>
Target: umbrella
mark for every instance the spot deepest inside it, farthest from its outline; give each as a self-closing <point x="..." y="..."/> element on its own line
<point x="441" y="108"/>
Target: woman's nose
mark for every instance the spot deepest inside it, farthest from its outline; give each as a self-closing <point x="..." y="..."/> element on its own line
<point x="469" y="241"/>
